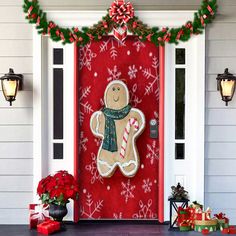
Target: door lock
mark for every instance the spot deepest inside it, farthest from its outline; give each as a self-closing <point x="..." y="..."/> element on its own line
<point x="153" y="129"/>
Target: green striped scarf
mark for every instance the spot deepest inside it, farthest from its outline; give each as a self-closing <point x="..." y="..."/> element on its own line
<point x="110" y="138"/>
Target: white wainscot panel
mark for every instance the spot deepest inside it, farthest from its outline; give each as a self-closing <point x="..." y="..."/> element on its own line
<point x="211" y="83"/>
<point x="220" y="184"/>
<point x="14" y="216"/>
<point x="220" y="150"/>
<point x="16" y="31"/>
<point x="12" y="14"/>
<point x="222" y="116"/>
<point x="217" y="65"/>
<point x="16" y="166"/>
<point x="20" y="65"/>
<point x="19" y="116"/>
<point x="221" y="31"/>
<point x="221" y="48"/>
<point x="220" y="167"/>
<point x="15" y="200"/>
<point x="16" y="133"/>
<point x="221" y="200"/>
<point x="16" y="183"/>
<point x="16" y="48"/>
<point x="221" y="133"/>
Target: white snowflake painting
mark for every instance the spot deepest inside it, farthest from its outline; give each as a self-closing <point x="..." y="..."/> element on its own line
<point x="152" y="152"/>
<point x="92" y="168"/>
<point x="134" y="99"/>
<point x="86" y="56"/>
<point x="151" y="74"/>
<point x="132" y="73"/>
<point x="118" y="216"/>
<point x="85" y="106"/>
<point x="91" y="209"/>
<point x="128" y="191"/>
<point x="147" y="185"/>
<point x="112" y="45"/>
<point x="138" y="45"/>
<point x="145" y="211"/>
<point x="83" y="142"/>
<point x="113" y="73"/>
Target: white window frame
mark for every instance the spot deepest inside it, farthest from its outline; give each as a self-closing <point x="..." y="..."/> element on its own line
<point x="82" y="18"/>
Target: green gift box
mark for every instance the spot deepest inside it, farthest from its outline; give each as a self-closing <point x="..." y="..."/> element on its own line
<point x="211" y="225"/>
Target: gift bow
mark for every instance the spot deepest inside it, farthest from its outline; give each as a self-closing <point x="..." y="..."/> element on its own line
<point x="220" y="216"/>
<point x="205" y="214"/>
<point x="40" y="212"/>
<point x="121" y="12"/>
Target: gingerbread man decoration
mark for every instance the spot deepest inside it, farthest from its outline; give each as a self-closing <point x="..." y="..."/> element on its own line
<point x="118" y="125"/>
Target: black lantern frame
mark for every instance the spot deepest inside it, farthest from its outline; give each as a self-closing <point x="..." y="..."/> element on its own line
<point x="11" y="76"/>
<point x="174" y="205"/>
<point x="226" y="77"/>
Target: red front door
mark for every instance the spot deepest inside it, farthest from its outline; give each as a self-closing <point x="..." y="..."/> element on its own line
<point x="137" y="64"/>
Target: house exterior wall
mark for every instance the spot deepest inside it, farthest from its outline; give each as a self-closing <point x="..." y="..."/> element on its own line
<point x="16" y="123"/>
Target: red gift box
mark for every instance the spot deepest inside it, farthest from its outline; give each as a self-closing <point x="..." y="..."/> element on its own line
<point x="205" y="231"/>
<point x="183" y="215"/>
<point x="48" y="227"/>
<point x="38" y="213"/>
<point x="232" y="230"/>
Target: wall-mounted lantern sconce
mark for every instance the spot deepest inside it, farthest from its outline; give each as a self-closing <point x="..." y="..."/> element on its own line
<point x="11" y="83"/>
<point x="226" y="85"/>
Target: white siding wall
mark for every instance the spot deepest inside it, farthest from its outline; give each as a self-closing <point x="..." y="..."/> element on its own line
<point x="16" y="122"/>
<point x="16" y="154"/>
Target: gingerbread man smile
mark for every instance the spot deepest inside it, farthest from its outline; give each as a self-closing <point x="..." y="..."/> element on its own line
<point x="116" y="99"/>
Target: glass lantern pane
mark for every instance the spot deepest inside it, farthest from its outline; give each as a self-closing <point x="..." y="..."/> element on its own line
<point x="10" y="87"/>
<point x="227" y="87"/>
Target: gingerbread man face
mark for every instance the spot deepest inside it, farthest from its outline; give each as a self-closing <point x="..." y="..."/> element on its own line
<point x="116" y="95"/>
<point x="118" y="125"/>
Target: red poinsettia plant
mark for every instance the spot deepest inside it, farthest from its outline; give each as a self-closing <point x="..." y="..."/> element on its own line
<point x="58" y="188"/>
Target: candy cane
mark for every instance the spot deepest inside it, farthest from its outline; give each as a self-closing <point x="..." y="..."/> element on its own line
<point x="132" y="122"/>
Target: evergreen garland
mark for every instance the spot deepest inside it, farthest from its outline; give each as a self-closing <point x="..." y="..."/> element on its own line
<point x="202" y="17"/>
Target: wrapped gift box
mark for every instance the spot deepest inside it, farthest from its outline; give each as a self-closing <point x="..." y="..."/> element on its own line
<point x="185" y="226"/>
<point x="183" y="215"/>
<point x="223" y="221"/>
<point x="38" y="213"/>
<point x="48" y="227"/>
<point x="202" y="215"/>
<point x="211" y="225"/>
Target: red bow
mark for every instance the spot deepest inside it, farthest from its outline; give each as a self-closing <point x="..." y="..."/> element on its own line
<point x="51" y="25"/>
<point x="121" y="12"/>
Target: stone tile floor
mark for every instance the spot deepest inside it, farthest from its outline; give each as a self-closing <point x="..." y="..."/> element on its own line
<point x="100" y="229"/>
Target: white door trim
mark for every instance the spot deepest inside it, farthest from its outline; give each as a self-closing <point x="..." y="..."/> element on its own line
<point x="88" y="18"/>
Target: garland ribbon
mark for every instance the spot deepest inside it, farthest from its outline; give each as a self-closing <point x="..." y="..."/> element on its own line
<point x="120" y="19"/>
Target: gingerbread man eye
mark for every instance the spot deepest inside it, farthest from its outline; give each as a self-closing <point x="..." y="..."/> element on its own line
<point x="113" y="88"/>
<point x="118" y="88"/>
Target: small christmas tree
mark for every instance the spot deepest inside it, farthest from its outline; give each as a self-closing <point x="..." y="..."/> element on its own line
<point x="178" y="193"/>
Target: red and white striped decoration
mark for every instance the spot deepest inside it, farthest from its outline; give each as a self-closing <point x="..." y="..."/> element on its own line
<point x="120" y="33"/>
<point x="132" y="122"/>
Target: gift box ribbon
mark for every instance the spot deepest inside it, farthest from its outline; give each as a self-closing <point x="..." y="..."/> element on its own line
<point x="40" y="212"/>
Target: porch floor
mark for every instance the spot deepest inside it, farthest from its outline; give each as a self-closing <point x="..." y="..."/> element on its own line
<point x="96" y="229"/>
